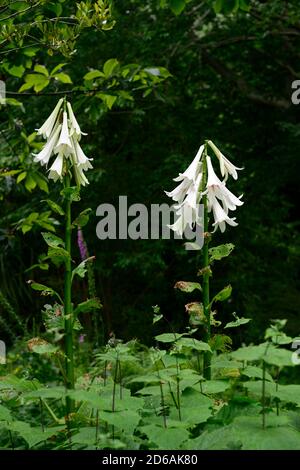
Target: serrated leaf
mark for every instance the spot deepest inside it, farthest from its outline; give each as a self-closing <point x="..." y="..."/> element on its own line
<point x="58" y="255"/>
<point x="165" y="438"/>
<point x="81" y="269"/>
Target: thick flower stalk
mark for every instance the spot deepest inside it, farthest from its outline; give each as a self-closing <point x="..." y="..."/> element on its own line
<point x="199" y="183"/>
<point x="63" y="134"/>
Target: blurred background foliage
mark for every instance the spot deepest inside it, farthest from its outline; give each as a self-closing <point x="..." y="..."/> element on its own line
<point x="149" y="81"/>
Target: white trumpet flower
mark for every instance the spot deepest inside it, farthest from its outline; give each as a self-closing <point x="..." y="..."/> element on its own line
<point x="63" y="142"/>
<point x="75" y="128"/>
<point x="56" y="170"/>
<point x="192" y="171"/>
<point x="189" y="192"/>
<point x="81" y="160"/>
<point x="44" y="155"/>
<point x="226" y="167"/>
<point x="46" y="129"/>
<point x="64" y="146"/>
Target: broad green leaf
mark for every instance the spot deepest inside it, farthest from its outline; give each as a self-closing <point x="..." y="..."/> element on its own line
<point x="256" y="372"/>
<point x="42" y="288"/>
<point x="57" y="68"/>
<point x="109" y="66"/>
<point x="109" y="100"/>
<point x="45" y="349"/>
<point x="4" y="413"/>
<point x="218" y="252"/>
<point x="164" y="438"/>
<point x="177" y="6"/>
<point x="41" y="69"/>
<point x="93" y="74"/>
<point x="32" y="435"/>
<point x="250" y="353"/>
<point x="187" y="286"/>
<point x="193" y="344"/>
<point x="52" y="240"/>
<point x="214" y="386"/>
<point x="168" y="337"/>
<point x="63" y="77"/>
<point x="195" y="407"/>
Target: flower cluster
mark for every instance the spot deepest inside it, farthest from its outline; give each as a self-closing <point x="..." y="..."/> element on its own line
<point x="189" y="192"/>
<point x="63" y="134"/>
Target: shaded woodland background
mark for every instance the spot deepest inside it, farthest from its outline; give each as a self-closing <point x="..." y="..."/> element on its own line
<point x="231" y="76"/>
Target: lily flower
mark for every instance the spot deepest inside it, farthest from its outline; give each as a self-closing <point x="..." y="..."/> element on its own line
<point x="64" y="146"/>
<point x="56" y="169"/>
<point x="216" y="188"/>
<point x="220" y="216"/>
<point x="44" y="155"/>
<point x="82" y="160"/>
<point x="192" y="171"/>
<point x="46" y="129"/>
<point x="80" y="178"/>
<point x="75" y="128"/>
<point x="226" y="167"/>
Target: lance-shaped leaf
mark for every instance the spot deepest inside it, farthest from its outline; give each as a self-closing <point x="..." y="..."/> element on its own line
<point x="223" y="294"/>
<point x="55" y="207"/>
<point x="45" y="290"/>
<point x="52" y="240"/>
<point x="238" y="321"/>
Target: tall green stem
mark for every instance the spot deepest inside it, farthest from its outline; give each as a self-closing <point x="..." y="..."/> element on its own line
<point x="206" y="273"/>
<point x="69" y="347"/>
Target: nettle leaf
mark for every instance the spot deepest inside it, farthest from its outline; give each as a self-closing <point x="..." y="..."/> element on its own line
<point x="58" y="255"/>
<point x="185" y="286"/>
<point x="256" y="372"/>
<point x="32" y="435"/>
<point x="83" y="218"/>
<point x="214" y="386"/>
<point x="237" y="322"/>
<point x="218" y="252"/>
<point x="224" y="294"/>
<point x="278" y="357"/>
<point x="55" y="207"/>
<point x="81" y="269"/>
<point x="250" y="353"/>
<point x="165" y="438"/>
<point x="4" y="413"/>
<point x="52" y="240"/>
<point x="168" y="337"/>
<point x="195" y="407"/>
<point x="88" y="306"/>
<point x="72" y="193"/>
<point x="193" y="344"/>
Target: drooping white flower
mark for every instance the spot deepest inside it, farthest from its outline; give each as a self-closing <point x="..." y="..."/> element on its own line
<point x="46" y="129"/>
<point x="220" y="216"/>
<point x="44" y="155"/>
<point x="74" y="128"/>
<point x="216" y="188"/>
<point x="226" y="167"/>
<point x="189" y="192"/>
<point x="193" y="169"/>
<point x="63" y="142"/>
<point x="56" y="170"/>
<point x="64" y="146"/>
<point x="81" y="160"/>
